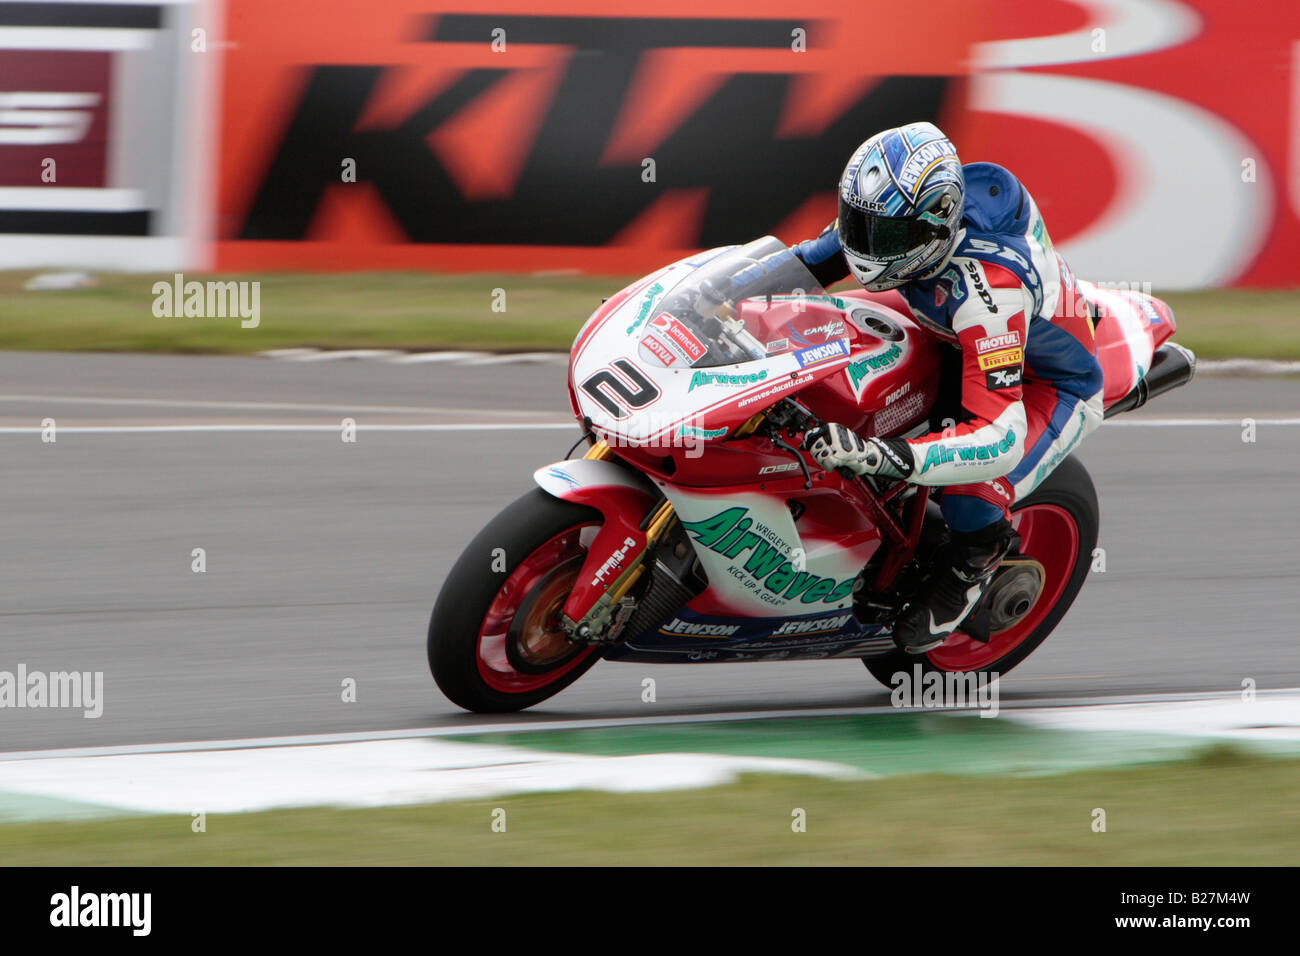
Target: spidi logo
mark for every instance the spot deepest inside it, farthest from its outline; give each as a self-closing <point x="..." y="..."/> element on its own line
<point x="208" y="300"/>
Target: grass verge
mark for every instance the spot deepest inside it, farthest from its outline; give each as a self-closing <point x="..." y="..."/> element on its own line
<point x="1187" y="813"/>
<point x="421" y="311"/>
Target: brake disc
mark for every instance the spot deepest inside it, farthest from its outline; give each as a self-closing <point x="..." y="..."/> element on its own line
<point x="1014" y="591"/>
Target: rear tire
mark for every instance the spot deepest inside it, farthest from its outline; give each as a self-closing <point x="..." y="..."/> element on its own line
<point x="1067" y="491"/>
<point x="474" y="617"/>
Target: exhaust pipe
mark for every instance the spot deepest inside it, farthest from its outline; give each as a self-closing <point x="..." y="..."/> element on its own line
<point x="1171" y="366"/>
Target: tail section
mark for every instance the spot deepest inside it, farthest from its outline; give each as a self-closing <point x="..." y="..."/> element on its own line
<point x="1130" y="328"/>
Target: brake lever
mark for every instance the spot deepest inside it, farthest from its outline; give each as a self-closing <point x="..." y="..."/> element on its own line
<point x="803" y="465"/>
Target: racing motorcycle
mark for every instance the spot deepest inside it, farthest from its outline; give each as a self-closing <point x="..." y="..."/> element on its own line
<point x="695" y="528"/>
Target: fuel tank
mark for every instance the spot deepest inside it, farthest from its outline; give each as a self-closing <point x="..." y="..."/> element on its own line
<point x="892" y="377"/>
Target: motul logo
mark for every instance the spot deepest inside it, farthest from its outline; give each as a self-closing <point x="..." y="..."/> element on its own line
<point x="45" y="119"/>
<point x="1007" y="340"/>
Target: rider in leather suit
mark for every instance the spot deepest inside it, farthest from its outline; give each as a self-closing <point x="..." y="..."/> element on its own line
<point x="968" y="250"/>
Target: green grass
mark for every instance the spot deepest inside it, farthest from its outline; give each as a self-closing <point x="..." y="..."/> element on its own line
<point x="1238" y="323"/>
<point x="1221" y="809"/>
<point x="358" y="310"/>
<point x="427" y="311"/>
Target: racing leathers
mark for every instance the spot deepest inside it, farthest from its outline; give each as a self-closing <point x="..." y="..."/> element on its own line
<point x="1031" y="387"/>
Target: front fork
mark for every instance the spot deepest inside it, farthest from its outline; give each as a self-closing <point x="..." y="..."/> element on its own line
<point x="636" y="518"/>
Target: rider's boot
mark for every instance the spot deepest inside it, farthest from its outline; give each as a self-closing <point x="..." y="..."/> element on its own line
<point x="963" y="569"/>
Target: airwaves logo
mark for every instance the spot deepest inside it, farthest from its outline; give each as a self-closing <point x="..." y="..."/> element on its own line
<point x="941" y="454"/>
<point x="728" y="534"/>
<point x="863" y="369"/>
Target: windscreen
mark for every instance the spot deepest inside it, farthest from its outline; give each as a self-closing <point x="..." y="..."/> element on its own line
<point x="698" y="324"/>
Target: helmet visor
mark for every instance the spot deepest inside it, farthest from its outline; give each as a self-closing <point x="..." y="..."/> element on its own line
<point x="884" y="237"/>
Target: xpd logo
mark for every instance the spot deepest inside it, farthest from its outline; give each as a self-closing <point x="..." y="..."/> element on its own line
<point x="572" y="152"/>
<point x="1003" y="378"/>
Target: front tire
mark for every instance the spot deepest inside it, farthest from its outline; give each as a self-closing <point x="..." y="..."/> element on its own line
<point x="1058" y="525"/>
<point x="495" y="645"/>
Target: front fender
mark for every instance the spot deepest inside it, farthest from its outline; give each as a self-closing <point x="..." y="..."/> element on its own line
<point x="582" y="480"/>
<point x="624" y="498"/>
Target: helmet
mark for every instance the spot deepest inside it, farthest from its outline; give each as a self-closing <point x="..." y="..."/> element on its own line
<point x="900" y="208"/>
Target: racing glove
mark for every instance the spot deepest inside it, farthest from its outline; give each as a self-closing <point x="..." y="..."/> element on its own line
<point x="833" y="446"/>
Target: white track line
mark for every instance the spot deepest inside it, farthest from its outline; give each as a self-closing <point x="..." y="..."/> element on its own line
<point x="536" y="726"/>
<point x="1248" y="366"/>
<point x="344" y="354"/>
<point x="422" y="358"/>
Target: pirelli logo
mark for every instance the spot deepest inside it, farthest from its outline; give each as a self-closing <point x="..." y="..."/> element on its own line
<point x="1002" y="359"/>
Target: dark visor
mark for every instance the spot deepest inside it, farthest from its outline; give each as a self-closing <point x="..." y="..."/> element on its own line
<point x="884" y="237"/>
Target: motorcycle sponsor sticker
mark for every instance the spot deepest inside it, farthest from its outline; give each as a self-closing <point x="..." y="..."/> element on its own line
<point x="1148" y="309"/>
<point x="678" y="334"/>
<point x="614" y="561"/>
<point x="770" y="574"/>
<point x="660" y="351"/>
<point x="783" y="385"/>
<point x="1000" y="378"/>
<point x="696" y="629"/>
<point x="861" y="371"/>
<point x="819" y="625"/>
<point x="942" y="453"/>
<point x="776" y="346"/>
<point x="651" y="296"/>
<point x="691" y="431"/>
<point x="822" y="353"/>
<point x="826" y="330"/>
<point x="712" y="378"/>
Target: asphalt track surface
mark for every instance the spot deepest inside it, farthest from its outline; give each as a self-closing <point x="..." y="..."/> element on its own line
<point x="324" y="557"/>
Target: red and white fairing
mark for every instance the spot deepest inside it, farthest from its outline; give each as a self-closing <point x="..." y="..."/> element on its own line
<point x="636" y="375"/>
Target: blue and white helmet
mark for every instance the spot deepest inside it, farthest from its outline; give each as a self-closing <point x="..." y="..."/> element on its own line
<point x="901" y="199"/>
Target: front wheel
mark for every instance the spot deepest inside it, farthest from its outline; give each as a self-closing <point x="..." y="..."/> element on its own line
<point x="1058" y="527"/>
<point x="495" y="642"/>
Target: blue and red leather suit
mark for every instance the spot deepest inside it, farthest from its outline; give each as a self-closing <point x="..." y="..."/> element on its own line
<point x="1031" y="388"/>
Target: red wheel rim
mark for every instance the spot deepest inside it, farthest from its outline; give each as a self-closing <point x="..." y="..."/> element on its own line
<point x="1049" y="535"/>
<point x="543" y="615"/>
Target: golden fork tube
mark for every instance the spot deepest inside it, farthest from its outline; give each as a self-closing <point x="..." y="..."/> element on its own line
<point x="659" y="523"/>
<point x="599" y="451"/>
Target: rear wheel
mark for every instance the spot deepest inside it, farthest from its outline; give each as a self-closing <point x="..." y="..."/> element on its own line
<point x="1058" y="527"/>
<point x="495" y="642"/>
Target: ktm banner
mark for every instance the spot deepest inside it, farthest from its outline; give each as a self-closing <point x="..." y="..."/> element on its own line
<point x="1160" y="138"/>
